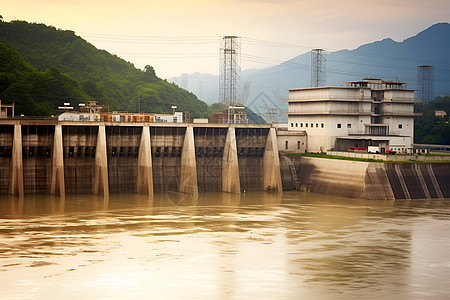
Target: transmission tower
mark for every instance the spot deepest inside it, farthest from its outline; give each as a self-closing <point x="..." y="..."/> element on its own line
<point x="230" y="71"/>
<point x="318" y="67"/>
<point x="270" y="115"/>
<point x="425" y="83"/>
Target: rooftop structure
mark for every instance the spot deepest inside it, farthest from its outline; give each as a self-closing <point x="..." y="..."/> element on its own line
<point x="6" y="110"/>
<point x="93" y="112"/>
<point x="369" y="112"/>
<point x="440" y="113"/>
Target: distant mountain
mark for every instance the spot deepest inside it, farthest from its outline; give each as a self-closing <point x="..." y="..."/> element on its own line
<point x="54" y="66"/>
<point x="204" y="86"/>
<point x="386" y="59"/>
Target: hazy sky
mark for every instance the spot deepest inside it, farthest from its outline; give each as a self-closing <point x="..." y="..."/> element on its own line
<point x="180" y="36"/>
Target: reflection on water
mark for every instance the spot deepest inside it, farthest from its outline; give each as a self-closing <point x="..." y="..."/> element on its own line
<point x="257" y="245"/>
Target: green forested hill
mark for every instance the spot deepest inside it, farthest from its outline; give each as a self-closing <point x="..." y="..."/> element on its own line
<point x="430" y="129"/>
<point x="34" y="93"/>
<point x="38" y="59"/>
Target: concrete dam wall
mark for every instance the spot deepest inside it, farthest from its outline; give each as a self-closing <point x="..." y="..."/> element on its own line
<point x="367" y="180"/>
<point x="50" y="157"/>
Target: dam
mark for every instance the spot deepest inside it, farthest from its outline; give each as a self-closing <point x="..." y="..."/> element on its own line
<point x="67" y="157"/>
<point x="59" y="158"/>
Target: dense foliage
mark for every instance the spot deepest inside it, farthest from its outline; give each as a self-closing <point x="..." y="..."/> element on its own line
<point x="430" y="129"/>
<point x="35" y="93"/>
<point x="42" y="67"/>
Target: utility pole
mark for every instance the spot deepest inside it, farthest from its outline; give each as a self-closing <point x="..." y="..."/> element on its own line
<point x="271" y="113"/>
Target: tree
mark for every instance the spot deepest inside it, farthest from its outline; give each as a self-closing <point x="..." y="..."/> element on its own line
<point x="429" y="129"/>
<point x="150" y="71"/>
<point x="96" y="74"/>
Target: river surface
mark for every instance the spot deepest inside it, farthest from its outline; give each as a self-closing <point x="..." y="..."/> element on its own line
<point x="254" y="246"/>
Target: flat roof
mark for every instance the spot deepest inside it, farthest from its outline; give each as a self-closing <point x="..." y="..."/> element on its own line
<point x="327" y="87"/>
<point x="54" y="121"/>
<point x="376" y="81"/>
<point x="350" y="87"/>
<point x="369" y="137"/>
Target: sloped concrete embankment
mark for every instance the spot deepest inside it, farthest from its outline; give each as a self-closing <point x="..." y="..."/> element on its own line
<point x="372" y="181"/>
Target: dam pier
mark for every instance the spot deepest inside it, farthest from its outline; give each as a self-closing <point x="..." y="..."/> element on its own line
<point x="59" y="158"/>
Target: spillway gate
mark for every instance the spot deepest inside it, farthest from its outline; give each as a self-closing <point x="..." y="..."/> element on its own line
<point x="51" y="157"/>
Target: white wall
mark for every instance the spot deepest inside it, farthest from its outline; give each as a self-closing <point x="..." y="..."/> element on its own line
<point x="295" y="144"/>
<point x="330" y="93"/>
<point x="352" y="109"/>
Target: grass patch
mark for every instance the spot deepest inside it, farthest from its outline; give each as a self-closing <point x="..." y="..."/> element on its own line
<point x="434" y="154"/>
<point x="324" y="155"/>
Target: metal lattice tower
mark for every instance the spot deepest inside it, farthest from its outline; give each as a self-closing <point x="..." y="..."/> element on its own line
<point x="318" y="67"/>
<point x="230" y="71"/>
<point x="425" y="83"/>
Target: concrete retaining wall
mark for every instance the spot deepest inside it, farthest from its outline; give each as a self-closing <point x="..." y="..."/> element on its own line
<point x="374" y="181"/>
<point x="394" y="157"/>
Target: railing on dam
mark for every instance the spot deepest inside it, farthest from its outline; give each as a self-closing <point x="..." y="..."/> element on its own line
<point x="46" y="156"/>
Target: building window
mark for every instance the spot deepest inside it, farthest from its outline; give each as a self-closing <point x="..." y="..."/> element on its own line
<point x="301" y="124"/>
<point x="298" y="144"/>
<point x="349" y="125"/>
<point x="292" y="124"/>
<point x="306" y="124"/>
<point x="312" y="125"/>
<point x="317" y="125"/>
<point x="296" y="124"/>
<point x="339" y="125"/>
<point x="287" y="144"/>
<point x="322" y="125"/>
<point x="400" y="126"/>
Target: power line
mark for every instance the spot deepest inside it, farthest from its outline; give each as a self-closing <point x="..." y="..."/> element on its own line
<point x="170" y="55"/>
<point x="258" y="42"/>
<point x="245" y="41"/>
<point x="184" y="40"/>
<point x="151" y="39"/>
<point x="293" y="65"/>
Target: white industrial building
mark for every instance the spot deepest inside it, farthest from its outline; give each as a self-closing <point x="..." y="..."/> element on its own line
<point x="370" y="112"/>
<point x="176" y="117"/>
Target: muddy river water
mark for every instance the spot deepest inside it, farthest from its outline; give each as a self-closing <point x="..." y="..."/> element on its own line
<point x="222" y="246"/>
